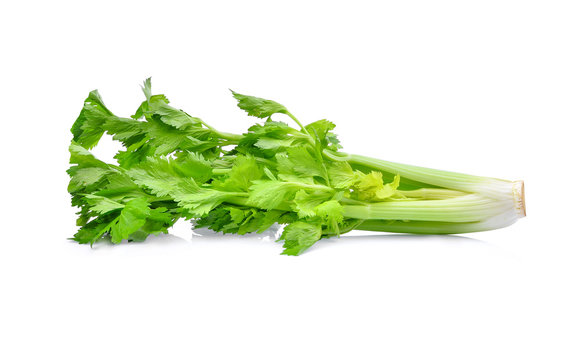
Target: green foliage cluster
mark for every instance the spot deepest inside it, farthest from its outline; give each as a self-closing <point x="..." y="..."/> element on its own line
<point x="175" y="166"/>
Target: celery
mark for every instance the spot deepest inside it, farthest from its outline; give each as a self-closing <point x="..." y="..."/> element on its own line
<point x="176" y="166"/>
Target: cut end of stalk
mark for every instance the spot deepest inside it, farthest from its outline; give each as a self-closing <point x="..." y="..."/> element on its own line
<point x="518" y="192"/>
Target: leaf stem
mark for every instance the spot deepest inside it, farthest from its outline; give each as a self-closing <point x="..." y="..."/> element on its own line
<point x="235" y="138"/>
<point x="297" y="121"/>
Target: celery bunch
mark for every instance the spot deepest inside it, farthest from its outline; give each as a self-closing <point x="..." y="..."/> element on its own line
<point x="177" y="166"/>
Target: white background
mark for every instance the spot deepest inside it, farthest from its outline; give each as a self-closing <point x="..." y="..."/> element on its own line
<point x="485" y="87"/>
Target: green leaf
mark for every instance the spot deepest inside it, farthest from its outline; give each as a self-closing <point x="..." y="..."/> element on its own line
<point x="332" y="214"/>
<point x="334" y="143"/>
<point x="269" y="194"/>
<point x="319" y="130"/>
<point x="202" y="201"/>
<point x="258" y="107"/>
<point x="238" y="215"/>
<point x="193" y="165"/>
<point x="268" y="139"/>
<point x="218" y="219"/>
<point x="286" y="171"/>
<point x="270" y="218"/>
<point x="274" y="144"/>
<point x="370" y="186"/>
<point x="157" y="175"/>
<point x="305" y="203"/>
<point x="244" y="171"/>
<point x="102" y="204"/>
<point x="92" y="231"/>
<point x="299" y="236"/>
<point x="132" y="218"/>
<point x="128" y="131"/>
<point x="159" y="105"/>
<point x="82" y="157"/>
<point x="303" y="162"/>
<point x="118" y="186"/>
<point x="272" y="129"/>
<point x="341" y="174"/>
<point x="88" y="128"/>
<point x="81" y="178"/>
<point x="367" y="185"/>
<point x="171" y="116"/>
<point x="147" y="88"/>
<point x="388" y="190"/>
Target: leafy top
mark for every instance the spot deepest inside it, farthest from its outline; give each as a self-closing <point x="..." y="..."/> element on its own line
<point x="176" y="166"/>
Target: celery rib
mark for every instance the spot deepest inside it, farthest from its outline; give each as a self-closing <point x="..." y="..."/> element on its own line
<point x="490" y="187"/>
<point x="464" y="209"/>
